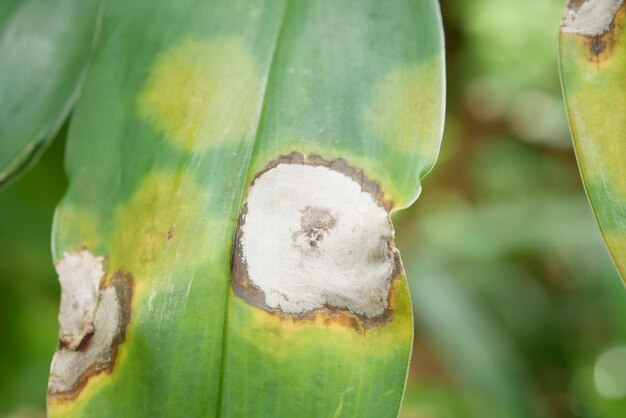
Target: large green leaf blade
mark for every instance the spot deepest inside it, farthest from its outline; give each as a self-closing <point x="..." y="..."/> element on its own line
<point x="185" y="103"/>
<point x="593" y="70"/>
<point x="45" y="46"/>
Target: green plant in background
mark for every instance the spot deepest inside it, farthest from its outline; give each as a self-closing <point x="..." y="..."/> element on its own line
<point x="516" y="303"/>
<point x="593" y="70"/>
<point x="316" y="118"/>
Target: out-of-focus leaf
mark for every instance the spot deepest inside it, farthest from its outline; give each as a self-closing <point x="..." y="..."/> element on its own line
<point x="44" y="49"/>
<point x="424" y="399"/>
<point x="458" y="230"/>
<point x="525" y="259"/>
<point x="480" y="357"/>
<point x="185" y="104"/>
<point x="593" y="72"/>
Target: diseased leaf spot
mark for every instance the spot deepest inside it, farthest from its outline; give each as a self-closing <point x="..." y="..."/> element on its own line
<point x="597" y="46"/>
<point x="313" y="238"/>
<point x="76" y="361"/>
<point x="598" y="23"/>
<point x="590" y="17"/>
<point x="315" y="223"/>
<point x="79" y="275"/>
<point x="201" y="93"/>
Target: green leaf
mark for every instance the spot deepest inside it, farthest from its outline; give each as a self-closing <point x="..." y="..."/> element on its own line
<point x="593" y="70"/>
<point x="45" y="46"/>
<point x="186" y="104"/>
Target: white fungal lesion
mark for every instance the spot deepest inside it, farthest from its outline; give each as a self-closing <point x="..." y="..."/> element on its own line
<point x="92" y="320"/>
<point x="79" y="275"/>
<point x="70" y="366"/>
<point x="312" y="238"/>
<point x="590" y="18"/>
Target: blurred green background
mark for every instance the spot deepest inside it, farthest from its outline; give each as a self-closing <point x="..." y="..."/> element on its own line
<point x="518" y="309"/>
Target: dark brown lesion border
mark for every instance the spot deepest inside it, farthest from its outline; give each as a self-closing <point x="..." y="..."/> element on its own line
<point x="248" y="291"/>
<point x="123" y="284"/>
<point x="339" y="165"/>
<point x="602" y="46"/>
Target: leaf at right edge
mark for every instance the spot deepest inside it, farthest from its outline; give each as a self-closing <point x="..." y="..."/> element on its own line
<point x="593" y="74"/>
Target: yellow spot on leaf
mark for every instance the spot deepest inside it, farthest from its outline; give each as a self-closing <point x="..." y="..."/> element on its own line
<point x="406" y="102"/>
<point x="201" y="93"/>
<point x="283" y="335"/>
<point x="164" y="226"/>
<point x="74" y="229"/>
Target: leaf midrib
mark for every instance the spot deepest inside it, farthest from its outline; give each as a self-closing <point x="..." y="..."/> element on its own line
<point x="262" y="109"/>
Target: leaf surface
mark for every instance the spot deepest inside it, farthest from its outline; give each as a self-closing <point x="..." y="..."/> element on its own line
<point x="593" y="72"/>
<point x="185" y="105"/>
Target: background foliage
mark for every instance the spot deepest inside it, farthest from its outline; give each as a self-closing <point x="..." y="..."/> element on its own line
<point x="519" y="311"/>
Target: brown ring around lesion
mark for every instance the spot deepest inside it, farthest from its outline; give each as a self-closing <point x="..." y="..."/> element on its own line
<point x="123" y="284"/>
<point x="252" y="294"/>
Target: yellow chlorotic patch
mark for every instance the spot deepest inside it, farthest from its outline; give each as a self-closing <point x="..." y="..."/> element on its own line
<point x="597" y="107"/>
<point x="163" y="226"/>
<point x="600" y="141"/>
<point x="284" y="336"/>
<point x="58" y="407"/>
<point x="74" y="229"/>
<point x="406" y="103"/>
<point x="74" y="407"/>
<point x="201" y="93"/>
